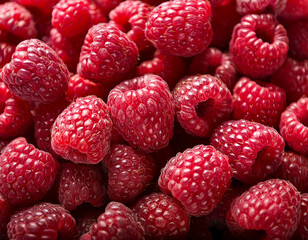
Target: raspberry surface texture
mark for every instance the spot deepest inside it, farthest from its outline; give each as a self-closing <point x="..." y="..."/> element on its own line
<point x="201" y="103"/>
<point x="82" y="132"/>
<point x="162" y="217"/>
<point x="295" y="9"/>
<point x="6" y="52"/>
<point x="259" y="45"/>
<point x="254" y="150"/>
<point x="142" y="111"/>
<point x="26" y="173"/>
<point x="180" y="27"/>
<point x="260" y="6"/>
<point x="36" y="73"/>
<point x="302" y="231"/>
<point x="201" y="171"/>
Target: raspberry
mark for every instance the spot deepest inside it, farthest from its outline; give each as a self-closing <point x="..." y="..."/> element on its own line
<point x="117" y="222"/>
<point x="254" y="150"/>
<point x="17" y="20"/>
<point x="201" y="103"/>
<point x="36" y="73"/>
<point x="44" y="117"/>
<point x="258" y="101"/>
<point x="302" y="231"/>
<point x="295" y="9"/>
<point x="130" y="17"/>
<point x="293" y="78"/>
<point x="85" y="217"/>
<point x="43" y="221"/>
<point x="26" y="173"/>
<point x="3" y="144"/>
<point x="293" y="125"/>
<point x="86" y="236"/>
<point x="184" y="177"/>
<point x="107" y="5"/>
<point x="168" y="67"/>
<point x="42" y="5"/>
<point x="107" y="55"/>
<point x="293" y="168"/>
<point x="82" y="132"/>
<point x="88" y="187"/>
<point x="260" y="6"/>
<point x="4" y="212"/>
<point x="142" y="111"/>
<point x="71" y="17"/>
<point x="129" y="172"/>
<point x="6" y="52"/>
<point x="15" y="117"/>
<point x="162" y="217"/>
<point x="212" y="61"/>
<point x="180" y="27"/>
<point x="259" y="45"/>
<point x="272" y="206"/>
<point x="96" y="14"/>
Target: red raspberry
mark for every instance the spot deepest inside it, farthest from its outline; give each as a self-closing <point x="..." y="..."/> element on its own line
<point x="302" y="231"/>
<point x="82" y="132"/>
<point x="17" y="20"/>
<point x="212" y="61"/>
<point x="180" y="27"/>
<point x="96" y="14"/>
<point x="4" y="213"/>
<point x="168" y="67"/>
<point x="107" y="5"/>
<point x="260" y="6"/>
<point x="3" y="144"/>
<point x="107" y="55"/>
<point x="254" y="150"/>
<point x="129" y="172"/>
<point x="293" y="78"/>
<point x="42" y="5"/>
<point x="87" y="187"/>
<point x="272" y="206"/>
<point x="259" y="45"/>
<point x="258" y="102"/>
<point x="44" y="117"/>
<point x="142" y="111"/>
<point x="71" y="17"/>
<point x="86" y="236"/>
<point x="117" y="222"/>
<point x="130" y="17"/>
<point x="295" y="9"/>
<point x="201" y="103"/>
<point x="26" y="173"/>
<point x="184" y="177"/>
<point x="15" y="117"/>
<point x="293" y="125"/>
<point x="36" y="73"/>
<point x="6" y="52"/>
<point x="43" y="221"/>
<point x="294" y="168"/>
<point x="162" y="217"/>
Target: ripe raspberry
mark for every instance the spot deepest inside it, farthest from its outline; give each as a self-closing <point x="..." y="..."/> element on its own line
<point x="180" y="27"/>
<point x="82" y="132"/>
<point x="6" y="52"/>
<point x="130" y="17"/>
<point x="96" y="14"/>
<point x="201" y="103"/>
<point x="295" y="9"/>
<point x="260" y="6"/>
<point x="272" y="206"/>
<point x="107" y="55"/>
<point x="71" y="17"/>
<point x="168" y="67"/>
<point x="36" y="73"/>
<point x="259" y="45"/>
<point x="302" y="231"/>
<point x="17" y="20"/>
<point x="212" y="61"/>
<point x="184" y="177"/>
<point x="15" y="117"/>
<point x="117" y="222"/>
<point x="26" y="173"/>
<point x="293" y="125"/>
<point x="44" y="6"/>
<point x="293" y="78"/>
<point x="43" y="221"/>
<point x="4" y="213"/>
<point x="293" y="168"/>
<point x="162" y="217"/>
<point x="107" y="5"/>
<point x="258" y="102"/>
<point x="129" y="172"/>
<point x="254" y="150"/>
<point x="87" y="187"/>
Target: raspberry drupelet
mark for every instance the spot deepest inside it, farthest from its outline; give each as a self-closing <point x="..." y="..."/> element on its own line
<point x="142" y="111"/>
<point x="180" y="27"/>
<point x="201" y="103"/>
<point x="198" y="178"/>
<point x="82" y="132"/>
<point x="260" y="6"/>
<point x="259" y="45"/>
<point x="254" y="150"/>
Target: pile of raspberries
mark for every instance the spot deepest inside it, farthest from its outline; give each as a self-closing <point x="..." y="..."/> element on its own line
<point x="154" y="120"/>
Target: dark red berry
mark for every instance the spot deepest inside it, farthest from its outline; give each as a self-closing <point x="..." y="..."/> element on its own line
<point x="42" y="5"/>
<point x="302" y="231"/>
<point x="295" y="9"/>
<point x="6" y="52"/>
<point x="107" y="5"/>
<point x="5" y="207"/>
<point x="260" y="6"/>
